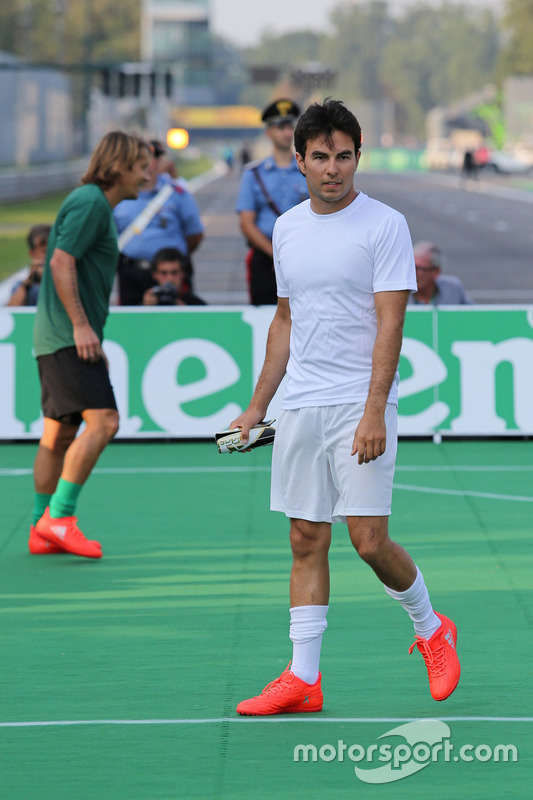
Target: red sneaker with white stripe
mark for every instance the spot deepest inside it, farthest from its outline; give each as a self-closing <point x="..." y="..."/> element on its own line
<point x="440" y="654"/>
<point x="64" y="532"/>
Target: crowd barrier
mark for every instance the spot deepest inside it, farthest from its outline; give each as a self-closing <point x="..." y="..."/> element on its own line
<point x="186" y="373"/>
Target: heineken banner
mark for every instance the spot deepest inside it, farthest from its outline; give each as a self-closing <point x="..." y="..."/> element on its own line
<point x="188" y="372"/>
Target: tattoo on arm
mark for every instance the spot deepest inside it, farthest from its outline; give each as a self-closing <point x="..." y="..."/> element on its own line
<point x="80" y="311"/>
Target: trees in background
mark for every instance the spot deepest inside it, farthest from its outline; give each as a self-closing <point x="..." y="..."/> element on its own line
<point x="438" y="56"/>
<point x="71" y="31"/>
<point x="517" y="52"/>
<point x="422" y="57"/>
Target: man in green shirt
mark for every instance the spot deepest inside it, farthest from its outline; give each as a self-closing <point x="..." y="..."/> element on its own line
<point x="72" y="308"/>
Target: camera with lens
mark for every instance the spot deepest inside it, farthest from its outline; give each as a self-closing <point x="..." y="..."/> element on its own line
<point x="34" y="277"/>
<point x="166" y="294"/>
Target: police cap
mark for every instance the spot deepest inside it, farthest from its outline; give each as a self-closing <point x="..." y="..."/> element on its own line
<point x="280" y="111"/>
<point x="157" y="148"/>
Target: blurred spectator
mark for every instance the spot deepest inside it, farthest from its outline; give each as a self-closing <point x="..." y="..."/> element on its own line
<point x="470" y="166"/>
<point x="433" y="288"/>
<point x="167" y="165"/>
<point x="163" y="215"/>
<point x="169" y="276"/>
<point x="245" y="155"/>
<point x="228" y="156"/>
<point x="26" y="292"/>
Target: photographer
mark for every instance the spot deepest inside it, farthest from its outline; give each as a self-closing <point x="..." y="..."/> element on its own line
<point x="163" y="215"/>
<point x="169" y="274"/>
<point x="26" y="292"/>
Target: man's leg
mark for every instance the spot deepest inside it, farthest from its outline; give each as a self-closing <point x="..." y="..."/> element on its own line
<point x="79" y="460"/>
<point x="83" y="453"/>
<point x="392" y="564"/>
<point x="55" y="441"/>
<point x="263" y="289"/>
<point x="309" y="595"/>
<point x="395" y="569"/>
<point x="298" y="689"/>
<point x="436" y="635"/>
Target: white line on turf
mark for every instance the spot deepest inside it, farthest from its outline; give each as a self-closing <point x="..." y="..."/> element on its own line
<point x="463" y="493"/>
<point x="13" y="472"/>
<point x="220" y="720"/>
<point x="10" y="473"/>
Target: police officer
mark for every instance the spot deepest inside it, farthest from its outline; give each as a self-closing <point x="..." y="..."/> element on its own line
<point x="175" y="224"/>
<point x="269" y="188"/>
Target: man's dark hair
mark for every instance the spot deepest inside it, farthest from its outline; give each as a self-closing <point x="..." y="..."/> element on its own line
<point x="169" y="254"/>
<point x="36" y="234"/>
<point x="323" y="119"/>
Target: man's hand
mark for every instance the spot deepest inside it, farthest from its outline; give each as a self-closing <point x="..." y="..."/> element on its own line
<point x="87" y="343"/>
<point x="246" y="420"/>
<point x="149" y="298"/>
<point x="370" y="437"/>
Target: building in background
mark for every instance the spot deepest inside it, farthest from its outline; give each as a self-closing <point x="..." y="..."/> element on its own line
<point x="175" y="34"/>
<point x="36" y="116"/>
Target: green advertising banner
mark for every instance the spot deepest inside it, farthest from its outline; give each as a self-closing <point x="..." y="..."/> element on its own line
<point x="186" y="373"/>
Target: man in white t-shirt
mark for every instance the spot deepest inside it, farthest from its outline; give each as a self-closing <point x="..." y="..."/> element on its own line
<point x="344" y="269"/>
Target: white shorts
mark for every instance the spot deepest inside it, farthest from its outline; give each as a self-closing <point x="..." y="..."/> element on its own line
<point x="314" y="475"/>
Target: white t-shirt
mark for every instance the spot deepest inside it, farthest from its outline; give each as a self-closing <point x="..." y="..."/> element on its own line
<point x="330" y="266"/>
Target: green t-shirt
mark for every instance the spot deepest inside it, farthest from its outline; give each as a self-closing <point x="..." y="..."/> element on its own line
<point x="85" y="229"/>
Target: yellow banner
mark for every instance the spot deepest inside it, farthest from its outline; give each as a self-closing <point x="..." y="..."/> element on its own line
<point x="191" y="117"/>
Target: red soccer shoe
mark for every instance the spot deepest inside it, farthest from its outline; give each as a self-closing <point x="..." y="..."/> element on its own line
<point x="440" y="654"/>
<point x="63" y="532"/>
<point x="286" y="695"/>
<point x="41" y="547"/>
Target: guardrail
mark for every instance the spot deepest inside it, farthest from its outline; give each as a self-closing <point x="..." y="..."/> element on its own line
<point x="38" y="181"/>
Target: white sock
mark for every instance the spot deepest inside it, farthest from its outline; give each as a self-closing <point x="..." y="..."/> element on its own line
<point x="415" y="600"/>
<point x="308" y="623"/>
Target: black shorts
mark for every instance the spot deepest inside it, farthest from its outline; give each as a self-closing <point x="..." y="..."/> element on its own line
<point x="70" y="386"/>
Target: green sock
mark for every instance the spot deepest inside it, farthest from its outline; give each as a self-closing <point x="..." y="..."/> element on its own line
<point x="40" y="502"/>
<point x="64" y="499"/>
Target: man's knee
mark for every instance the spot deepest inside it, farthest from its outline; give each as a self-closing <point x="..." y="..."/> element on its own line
<point x="102" y="423"/>
<point x="57" y="437"/>
<point x="369" y="537"/>
<point x="110" y="425"/>
<point x="309" y="538"/>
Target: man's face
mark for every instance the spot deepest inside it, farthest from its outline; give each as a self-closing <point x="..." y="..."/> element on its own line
<point x="153" y="169"/>
<point x="329" y="170"/>
<point x="426" y="273"/>
<point x="38" y="255"/>
<point x="169" y="272"/>
<point x="281" y="135"/>
<point x="135" y="178"/>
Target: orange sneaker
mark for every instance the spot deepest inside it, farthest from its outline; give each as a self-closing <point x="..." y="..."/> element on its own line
<point x="64" y="532"/>
<point x="39" y="546"/>
<point x="286" y="695"/>
<point x="441" y="659"/>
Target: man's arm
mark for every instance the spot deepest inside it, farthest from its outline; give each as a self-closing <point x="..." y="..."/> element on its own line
<point x="371" y="436"/>
<point x="193" y="241"/>
<point x="252" y="233"/>
<point x="63" y="267"/>
<point x="276" y="358"/>
<point x="18" y="298"/>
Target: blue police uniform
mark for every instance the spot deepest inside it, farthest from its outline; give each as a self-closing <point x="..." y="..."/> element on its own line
<point x="174" y="222"/>
<point x="170" y="227"/>
<point x="286" y="186"/>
